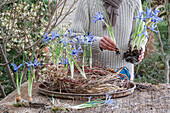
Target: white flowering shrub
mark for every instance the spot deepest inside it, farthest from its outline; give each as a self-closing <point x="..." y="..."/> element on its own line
<point x="22" y="24"/>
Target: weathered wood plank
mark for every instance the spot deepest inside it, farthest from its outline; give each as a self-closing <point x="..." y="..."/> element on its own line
<point x="157" y="100"/>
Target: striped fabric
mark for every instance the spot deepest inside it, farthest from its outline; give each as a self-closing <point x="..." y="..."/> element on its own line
<point x="123" y="30"/>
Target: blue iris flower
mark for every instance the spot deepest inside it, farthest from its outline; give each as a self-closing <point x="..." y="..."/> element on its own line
<point x="29" y="65"/>
<point x="149" y="13"/>
<point x="144" y="32"/>
<point x="89" y="38"/>
<point x="65" y="41"/>
<point x="75" y="52"/>
<point x="56" y="34"/>
<point x="46" y="38"/>
<point x="153" y="28"/>
<point x="108" y="100"/>
<point x="36" y="63"/>
<point x="52" y="35"/>
<point x="65" y="61"/>
<point x="99" y="16"/>
<point x="69" y="33"/>
<point x="15" y="66"/>
<point x="79" y="40"/>
<point x="156" y="19"/>
<point x="156" y="11"/>
<point x="154" y="15"/>
<point x="89" y="99"/>
<point x="140" y="16"/>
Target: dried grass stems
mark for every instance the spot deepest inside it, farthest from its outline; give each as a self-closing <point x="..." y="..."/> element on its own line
<point x="98" y="80"/>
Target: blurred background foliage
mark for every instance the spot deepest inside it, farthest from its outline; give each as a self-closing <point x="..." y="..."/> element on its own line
<point x="34" y="17"/>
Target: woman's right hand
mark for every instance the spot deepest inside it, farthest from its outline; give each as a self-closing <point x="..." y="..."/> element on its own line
<point x="107" y="44"/>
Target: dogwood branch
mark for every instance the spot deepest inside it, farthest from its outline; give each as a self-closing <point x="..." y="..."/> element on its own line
<point x="8" y="68"/>
<point x="2" y="90"/>
<point x="168" y="56"/>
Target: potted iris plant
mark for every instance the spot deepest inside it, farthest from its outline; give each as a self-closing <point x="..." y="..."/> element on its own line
<point x="147" y="21"/>
<point x="31" y="74"/>
<point x="18" y="78"/>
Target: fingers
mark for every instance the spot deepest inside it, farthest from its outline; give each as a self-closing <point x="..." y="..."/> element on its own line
<point x="107" y="43"/>
<point x="109" y="40"/>
<point x="104" y="46"/>
<point x="141" y="56"/>
<point x="140" y="59"/>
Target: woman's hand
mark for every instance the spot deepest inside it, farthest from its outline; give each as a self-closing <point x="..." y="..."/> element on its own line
<point x="141" y="56"/>
<point x="107" y="43"/>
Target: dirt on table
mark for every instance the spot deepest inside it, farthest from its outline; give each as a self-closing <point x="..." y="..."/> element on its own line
<point x="146" y="98"/>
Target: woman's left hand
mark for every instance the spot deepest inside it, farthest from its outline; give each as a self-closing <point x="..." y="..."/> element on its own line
<point x="141" y="56"/>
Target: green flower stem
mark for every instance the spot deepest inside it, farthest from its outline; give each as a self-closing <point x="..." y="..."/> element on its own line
<point x="70" y="62"/>
<point x="109" y="27"/>
<point x="30" y="82"/>
<point x="84" y="54"/>
<point x="110" y="31"/>
<point x="33" y="76"/>
<point x="81" y="72"/>
<point x="95" y="103"/>
<point x="141" y="42"/>
<point x="29" y="74"/>
<point x="53" y="55"/>
<point x="17" y="83"/>
<point x="21" y="78"/>
<point x="72" y="58"/>
<point x="58" y="50"/>
<point x="148" y="22"/>
<point x="137" y="39"/>
<point x="72" y="68"/>
<point x="90" y="60"/>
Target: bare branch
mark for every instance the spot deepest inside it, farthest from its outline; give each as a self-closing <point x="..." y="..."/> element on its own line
<point x="12" y="59"/>
<point x="8" y="2"/>
<point x="63" y="18"/>
<point x="50" y="20"/>
<point x="166" y="61"/>
<point x="64" y="3"/>
<point x="167" y="69"/>
<point x="2" y="90"/>
<point x="161" y="44"/>
<point x="70" y="10"/>
<point x="168" y="18"/>
<point x="8" y="68"/>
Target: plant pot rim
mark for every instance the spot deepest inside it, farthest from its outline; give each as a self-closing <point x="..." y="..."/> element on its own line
<point x="76" y="96"/>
